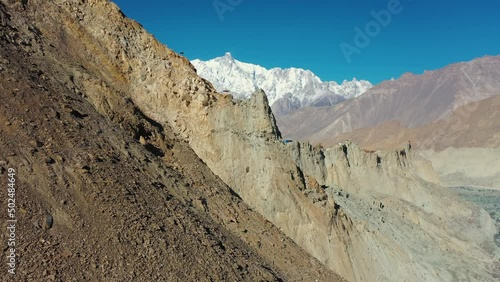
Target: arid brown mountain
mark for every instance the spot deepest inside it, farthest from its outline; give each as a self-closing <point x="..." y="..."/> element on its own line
<point x="130" y="166"/>
<point x="412" y="100"/>
<point x="111" y="195"/>
<point x="474" y="125"/>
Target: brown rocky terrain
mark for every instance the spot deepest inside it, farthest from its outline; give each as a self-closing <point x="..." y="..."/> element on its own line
<point x="113" y="195"/>
<point x="135" y="158"/>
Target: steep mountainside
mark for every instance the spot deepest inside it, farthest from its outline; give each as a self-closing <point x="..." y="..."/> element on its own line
<point x="287" y="89"/>
<point x="105" y="193"/>
<point x="368" y="216"/>
<point x="412" y="100"/>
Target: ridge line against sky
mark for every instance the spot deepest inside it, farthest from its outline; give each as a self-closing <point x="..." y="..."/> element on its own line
<point x="389" y="37"/>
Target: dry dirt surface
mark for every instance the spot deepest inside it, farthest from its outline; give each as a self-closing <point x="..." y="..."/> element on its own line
<point x="467" y="166"/>
<point x="114" y="196"/>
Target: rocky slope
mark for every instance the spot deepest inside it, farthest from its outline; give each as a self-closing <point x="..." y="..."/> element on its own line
<point x="287" y="89"/>
<point x="365" y="215"/>
<point x="105" y="193"/>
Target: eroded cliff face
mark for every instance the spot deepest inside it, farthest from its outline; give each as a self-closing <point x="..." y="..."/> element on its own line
<point x="370" y="216"/>
<point x="391" y="223"/>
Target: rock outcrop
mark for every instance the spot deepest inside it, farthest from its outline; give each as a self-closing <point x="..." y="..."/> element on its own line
<point x="366" y="215"/>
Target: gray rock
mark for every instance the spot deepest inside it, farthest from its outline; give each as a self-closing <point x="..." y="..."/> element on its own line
<point x="49" y="222"/>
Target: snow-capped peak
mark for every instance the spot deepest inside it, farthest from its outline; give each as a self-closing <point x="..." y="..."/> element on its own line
<point x="240" y="79"/>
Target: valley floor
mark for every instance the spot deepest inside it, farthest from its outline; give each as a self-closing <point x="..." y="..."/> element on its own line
<point x="485" y="197"/>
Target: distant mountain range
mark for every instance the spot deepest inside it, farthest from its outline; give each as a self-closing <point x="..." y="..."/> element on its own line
<point x="447" y="95"/>
<point x="287" y="89"/>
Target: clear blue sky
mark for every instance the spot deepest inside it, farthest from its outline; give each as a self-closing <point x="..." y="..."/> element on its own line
<point x="424" y="35"/>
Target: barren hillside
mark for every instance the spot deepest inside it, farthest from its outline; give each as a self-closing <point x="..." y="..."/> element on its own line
<point x="98" y="203"/>
<point x="474" y="125"/>
<point x="131" y="166"/>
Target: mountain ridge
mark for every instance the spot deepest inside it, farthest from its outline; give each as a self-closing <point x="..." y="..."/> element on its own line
<point x="287" y="89"/>
<point x="413" y="100"/>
